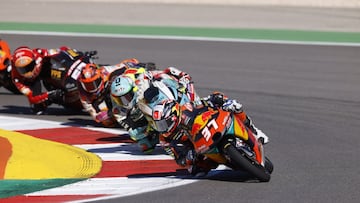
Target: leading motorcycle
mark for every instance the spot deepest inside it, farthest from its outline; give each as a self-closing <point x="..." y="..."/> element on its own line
<point x="222" y="137"/>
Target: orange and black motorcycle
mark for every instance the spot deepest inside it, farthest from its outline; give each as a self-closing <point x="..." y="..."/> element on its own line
<point x="65" y="68"/>
<point x="222" y="137"/>
<point x="5" y="68"/>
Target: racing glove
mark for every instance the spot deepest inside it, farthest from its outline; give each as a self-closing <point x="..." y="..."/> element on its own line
<point x="232" y="106"/>
<point x="105" y="118"/>
<point x="216" y="98"/>
<point x="56" y="96"/>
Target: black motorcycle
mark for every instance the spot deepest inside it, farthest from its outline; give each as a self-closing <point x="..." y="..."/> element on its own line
<point x="62" y="76"/>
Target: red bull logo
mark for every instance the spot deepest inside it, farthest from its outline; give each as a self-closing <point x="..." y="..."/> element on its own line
<point x="201" y="120"/>
<point x="207" y="115"/>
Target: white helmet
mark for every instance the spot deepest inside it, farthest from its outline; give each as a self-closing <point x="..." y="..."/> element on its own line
<point x="123" y="91"/>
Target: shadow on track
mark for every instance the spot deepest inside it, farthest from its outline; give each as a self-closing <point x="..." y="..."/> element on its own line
<point x="214" y="175"/>
<point x="179" y="173"/>
<point x="128" y="147"/>
<point x="12" y="109"/>
<point x="231" y="176"/>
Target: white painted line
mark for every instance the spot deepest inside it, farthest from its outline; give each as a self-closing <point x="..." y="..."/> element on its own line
<point x="123" y="152"/>
<point x="14" y="123"/>
<point x="165" y="37"/>
<point x="120" y="186"/>
<point x="115" y="131"/>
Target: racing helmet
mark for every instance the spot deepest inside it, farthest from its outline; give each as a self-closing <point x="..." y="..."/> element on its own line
<point x="24" y="61"/>
<point x="123" y="90"/>
<point x="91" y="79"/>
<point x="5" y="55"/>
<point x="166" y="116"/>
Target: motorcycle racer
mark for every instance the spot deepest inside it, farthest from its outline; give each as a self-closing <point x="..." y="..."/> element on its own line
<point x="174" y="125"/>
<point x="5" y="67"/>
<point x="94" y="87"/>
<point x="29" y="68"/>
<point x="137" y="95"/>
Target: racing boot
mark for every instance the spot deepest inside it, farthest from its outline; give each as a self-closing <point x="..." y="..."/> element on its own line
<point x="200" y="165"/>
<point x="139" y="136"/>
<point x="258" y="133"/>
<point x="146" y="140"/>
<point x="147" y="145"/>
<point x="38" y="109"/>
<point x="236" y="107"/>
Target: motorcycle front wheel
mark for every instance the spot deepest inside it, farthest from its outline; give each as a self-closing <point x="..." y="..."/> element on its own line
<point x="242" y="161"/>
<point x="269" y="165"/>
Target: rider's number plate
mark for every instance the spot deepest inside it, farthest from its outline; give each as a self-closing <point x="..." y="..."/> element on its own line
<point x="206" y="131"/>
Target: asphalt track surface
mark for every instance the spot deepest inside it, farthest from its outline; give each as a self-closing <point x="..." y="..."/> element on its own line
<point x="306" y="98"/>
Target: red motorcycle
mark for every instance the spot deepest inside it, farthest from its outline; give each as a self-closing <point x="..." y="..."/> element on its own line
<point x="222" y="137"/>
<point x="5" y="68"/>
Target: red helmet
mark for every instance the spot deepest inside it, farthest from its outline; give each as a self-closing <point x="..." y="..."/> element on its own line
<point x="166" y="116"/>
<point x="91" y="79"/>
<point x="24" y="61"/>
<point x="5" y="55"/>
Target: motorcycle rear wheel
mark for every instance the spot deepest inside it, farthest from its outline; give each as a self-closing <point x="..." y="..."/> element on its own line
<point x="242" y="161"/>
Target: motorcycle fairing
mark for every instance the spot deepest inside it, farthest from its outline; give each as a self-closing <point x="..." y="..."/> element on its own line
<point x="238" y="129"/>
<point x="208" y="128"/>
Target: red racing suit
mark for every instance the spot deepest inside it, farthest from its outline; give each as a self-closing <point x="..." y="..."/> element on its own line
<point x="32" y="87"/>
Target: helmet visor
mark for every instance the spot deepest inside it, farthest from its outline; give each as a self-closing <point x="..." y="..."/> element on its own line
<point x="164" y="125"/>
<point x="92" y="85"/>
<point x="124" y="100"/>
<point x="25" y="70"/>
